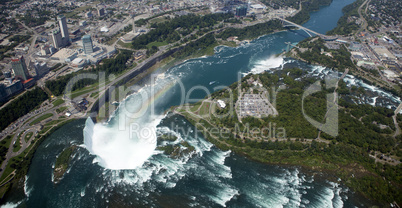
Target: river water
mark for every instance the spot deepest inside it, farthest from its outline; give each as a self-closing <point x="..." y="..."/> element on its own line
<point x="111" y="169"/>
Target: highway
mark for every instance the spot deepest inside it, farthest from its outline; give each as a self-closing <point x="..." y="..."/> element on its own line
<point x="22" y="127"/>
<point x="364" y="26"/>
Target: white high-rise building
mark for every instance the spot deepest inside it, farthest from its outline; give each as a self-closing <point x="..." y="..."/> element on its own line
<point x="57" y="39"/>
<point x="63" y="29"/>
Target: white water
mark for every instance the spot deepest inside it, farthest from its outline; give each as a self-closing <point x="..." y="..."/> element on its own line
<point x="11" y="205"/>
<point x="266" y="64"/>
<point x="350" y="80"/>
<point x="129" y="141"/>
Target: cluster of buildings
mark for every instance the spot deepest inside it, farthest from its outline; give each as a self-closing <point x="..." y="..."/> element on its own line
<point x="16" y="80"/>
<point x="61" y="37"/>
<point x="377" y="52"/>
<point x="22" y="72"/>
<point x="386" y="12"/>
<point x="240" y="8"/>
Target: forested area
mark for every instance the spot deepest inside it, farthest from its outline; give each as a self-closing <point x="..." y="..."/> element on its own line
<point x="344" y="27"/>
<point x="276" y="4"/>
<point x="4" y="145"/>
<point x="340" y="59"/>
<point x="359" y="135"/>
<point x="359" y="125"/>
<point x="21" y="106"/>
<point x="251" y="32"/>
<point x="39" y="17"/>
<point x="109" y="66"/>
<point x="194" y="46"/>
<point x="172" y="30"/>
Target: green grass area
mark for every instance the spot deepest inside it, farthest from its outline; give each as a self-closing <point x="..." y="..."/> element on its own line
<point x="41" y="118"/>
<point x="6" y="141"/>
<point x="158" y="20"/>
<point x="45" y="129"/>
<point x="4" y="189"/>
<point x="61" y="109"/>
<point x="228" y="43"/>
<point x="74" y="13"/>
<point x="157" y="44"/>
<point x="7" y="171"/>
<point x="195" y="107"/>
<point x="29" y="120"/>
<point x="81" y="92"/>
<point x="51" y="123"/>
<point x="112" y="40"/>
<point x="64" y="157"/>
<point x="126" y="45"/>
<point x="28" y="136"/>
<point x="94" y="95"/>
<point x="204" y="110"/>
<point x="71" y="14"/>
<point x="58" y="102"/>
<point x="17" y="144"/>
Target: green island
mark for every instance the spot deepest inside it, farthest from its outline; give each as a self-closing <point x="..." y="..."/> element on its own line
<point x="287" y="138"/>
<point x="175" y="151"/>
<point x="62" y="163"/>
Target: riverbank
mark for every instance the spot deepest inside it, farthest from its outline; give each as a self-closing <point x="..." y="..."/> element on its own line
<point x="16" y="183"/>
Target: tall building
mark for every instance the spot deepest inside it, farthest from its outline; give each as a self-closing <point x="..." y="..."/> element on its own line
<point x="40" y="69"/>
<point x="241" y="11"/>
<point x="101" y="12"/>
<point x="57" y="39"/>
<point x="20" y="68"/>
<point x="87" y="44"/>
<point x="64" y="30"/>
<point x="10" y="89"/>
